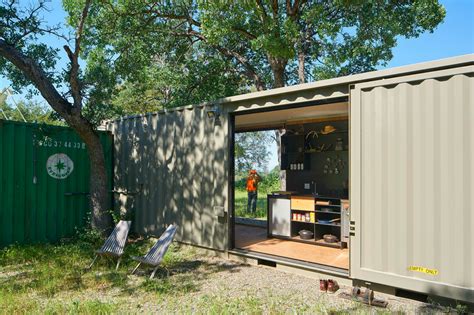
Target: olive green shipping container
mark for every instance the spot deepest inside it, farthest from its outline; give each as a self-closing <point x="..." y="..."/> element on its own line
<point x="44" y="182"/>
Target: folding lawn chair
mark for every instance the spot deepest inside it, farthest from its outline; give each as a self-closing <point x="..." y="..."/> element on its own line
<point x="157" y="252"/>
<point x="115" y="243"/>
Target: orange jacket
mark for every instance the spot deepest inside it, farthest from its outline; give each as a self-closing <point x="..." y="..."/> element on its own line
<point x="252" y="182"/>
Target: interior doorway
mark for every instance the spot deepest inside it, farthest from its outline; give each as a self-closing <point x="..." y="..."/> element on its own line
<point x="306" y="217"/>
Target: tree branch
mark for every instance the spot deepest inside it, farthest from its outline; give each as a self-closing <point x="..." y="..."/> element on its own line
<point x="38" y="77"/>
<point x="262" y="8"/>
<point x="244" y="32"/>
<point x="275" y="9"/>
<point x="251" y="72"/>
<point x="74" y="81"/>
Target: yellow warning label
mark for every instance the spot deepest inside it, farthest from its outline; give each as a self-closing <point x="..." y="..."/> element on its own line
<point x="428" y="271"/>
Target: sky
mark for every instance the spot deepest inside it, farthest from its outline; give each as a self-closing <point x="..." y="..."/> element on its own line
<point x="455" y="36"/>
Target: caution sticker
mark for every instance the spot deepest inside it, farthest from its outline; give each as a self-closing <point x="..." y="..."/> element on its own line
<point x="428" y="271"/>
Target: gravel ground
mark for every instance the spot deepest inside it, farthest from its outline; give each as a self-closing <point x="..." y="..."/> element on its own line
<point x="217" y="285"/>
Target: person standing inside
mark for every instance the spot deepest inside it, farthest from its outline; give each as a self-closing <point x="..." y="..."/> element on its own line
<point x="252" y="185"/>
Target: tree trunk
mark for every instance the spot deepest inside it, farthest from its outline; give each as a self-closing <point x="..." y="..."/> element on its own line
<point x="301" y="74"/>
<point x="282" y="174"/>
<point x="278" y="66"/>
<point x="101" y="218"/>
<point x="99" y="195"/>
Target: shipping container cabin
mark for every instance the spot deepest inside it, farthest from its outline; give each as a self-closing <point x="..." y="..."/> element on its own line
<point x="382" y="160"/>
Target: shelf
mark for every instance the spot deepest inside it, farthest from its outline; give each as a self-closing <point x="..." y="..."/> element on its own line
<point x="327" y="205"/>
<point x="328" y="224"/>
<point x="303" y="210"/>
<point x="299" y="239"/>
<point x="302" y="221"/>
<point x="312" y="152"/>
<point x="330" y="212"/>
<point x="322" y="242"/>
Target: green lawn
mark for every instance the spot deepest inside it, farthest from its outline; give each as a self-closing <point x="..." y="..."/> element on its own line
<point x="241" y="205"/>
<point x="52" y="279"/>
<point x="39" y="279"/>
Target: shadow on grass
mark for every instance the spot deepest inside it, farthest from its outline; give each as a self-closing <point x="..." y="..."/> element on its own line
<point x="48" y="270"/>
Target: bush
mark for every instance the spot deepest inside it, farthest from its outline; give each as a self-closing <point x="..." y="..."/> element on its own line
<point x="269" y="182"/>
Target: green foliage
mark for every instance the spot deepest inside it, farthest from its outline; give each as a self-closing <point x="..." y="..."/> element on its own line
<point x="31" y="111"/>
<point x="195" y="50"/>
<point x="145" y="55"/>
<point x="23" y="28"/>
<point x="251" y="150"/>
<point x="195" y="79"/>
<point x="269" y="181"/>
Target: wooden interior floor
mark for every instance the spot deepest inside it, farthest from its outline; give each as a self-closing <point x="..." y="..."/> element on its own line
<point x="255" y="239"/>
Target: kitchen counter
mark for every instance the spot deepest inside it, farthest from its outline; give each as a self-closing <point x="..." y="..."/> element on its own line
<point x="288" y="194"/>
<point x="283" y="206"/>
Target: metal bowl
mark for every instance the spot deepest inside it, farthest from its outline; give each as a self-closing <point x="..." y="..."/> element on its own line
<point x="329" y="238"/>
<point x="305" y="234"/>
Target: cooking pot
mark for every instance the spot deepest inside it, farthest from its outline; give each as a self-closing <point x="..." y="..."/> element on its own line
<point x="305" y="234"/>
<point x="329" y="238"/>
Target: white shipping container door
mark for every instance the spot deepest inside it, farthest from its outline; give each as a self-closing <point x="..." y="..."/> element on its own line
<point x="412" y="182"/>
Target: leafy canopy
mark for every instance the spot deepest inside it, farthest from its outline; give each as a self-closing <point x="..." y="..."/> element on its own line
<point x="181" y="52"/>
<point x="252" y="150"/>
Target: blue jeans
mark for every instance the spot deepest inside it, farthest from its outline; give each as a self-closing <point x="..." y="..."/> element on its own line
<point x="252" y="202"/>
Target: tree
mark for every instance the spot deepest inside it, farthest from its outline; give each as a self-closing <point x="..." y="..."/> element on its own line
<point x="26" y="61"/>
<point x="29" y="111"/>
<point x="251" y="150"/>
<point x="194" y="78"/>
<point x="271" y="42"/>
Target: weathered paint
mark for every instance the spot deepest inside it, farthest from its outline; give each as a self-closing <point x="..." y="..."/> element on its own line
<point x="412" y="182"/>
<point x="172" y="167"/>
<point x="34" y="206"/>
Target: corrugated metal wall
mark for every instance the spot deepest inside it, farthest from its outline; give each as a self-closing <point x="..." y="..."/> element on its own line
<point x="177" y="164"/>
<point x="412" y="182"/>
<point x="33" y="204"/>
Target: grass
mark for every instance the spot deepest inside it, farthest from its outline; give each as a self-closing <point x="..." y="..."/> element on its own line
<point x="52" y="279"/>
<point x="241" y="205"/>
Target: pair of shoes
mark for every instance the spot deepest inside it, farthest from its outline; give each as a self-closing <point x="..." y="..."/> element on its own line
<point x="328" y="285"/>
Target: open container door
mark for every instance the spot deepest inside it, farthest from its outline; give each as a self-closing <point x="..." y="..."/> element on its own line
<point x="412" y="182"/>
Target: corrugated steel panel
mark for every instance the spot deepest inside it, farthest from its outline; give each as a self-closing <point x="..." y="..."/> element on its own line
<point x="33" y="204"/>
<point x="412" y="182"/>
<point x="320" y="90"/>
<point x="178" y="163"/>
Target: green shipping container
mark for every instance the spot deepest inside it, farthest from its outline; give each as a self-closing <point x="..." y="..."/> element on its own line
<point x="44" y="182"/>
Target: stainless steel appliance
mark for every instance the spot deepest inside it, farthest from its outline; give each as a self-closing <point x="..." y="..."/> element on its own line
<point x="280" y="216"/>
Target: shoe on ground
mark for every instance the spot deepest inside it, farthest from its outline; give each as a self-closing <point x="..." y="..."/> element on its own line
<point x="332" y="286"/>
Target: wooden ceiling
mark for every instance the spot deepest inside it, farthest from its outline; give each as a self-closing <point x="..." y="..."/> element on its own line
<point x="278" y="118"/>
